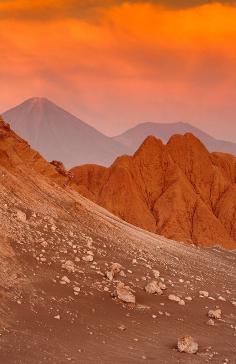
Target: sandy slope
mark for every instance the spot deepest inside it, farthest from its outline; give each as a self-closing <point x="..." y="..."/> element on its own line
<point x="60" y="226"/>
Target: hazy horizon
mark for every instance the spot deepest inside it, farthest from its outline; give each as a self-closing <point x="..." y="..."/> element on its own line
<point x="133" y="125"/>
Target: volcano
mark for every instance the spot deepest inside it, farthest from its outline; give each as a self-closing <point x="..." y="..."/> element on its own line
<point x="59" y="135"/>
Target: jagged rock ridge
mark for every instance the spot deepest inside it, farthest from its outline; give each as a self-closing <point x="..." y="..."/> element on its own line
<point x="178" y="190"/>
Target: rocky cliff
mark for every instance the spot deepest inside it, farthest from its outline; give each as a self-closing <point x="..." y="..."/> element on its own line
<point x="178" y="190"/>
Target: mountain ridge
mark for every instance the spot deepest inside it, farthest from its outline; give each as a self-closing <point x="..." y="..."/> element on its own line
<point x="58" y="134"/>
<point x="134" y="136"/>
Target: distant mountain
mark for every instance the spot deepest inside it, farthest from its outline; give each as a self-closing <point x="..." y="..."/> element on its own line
<point x="178" y="190"/>
<point x="59" y="135"/>
<point x="132" y="138"/>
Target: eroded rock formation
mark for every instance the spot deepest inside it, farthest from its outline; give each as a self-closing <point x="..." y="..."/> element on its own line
<point x="178" y="190"/>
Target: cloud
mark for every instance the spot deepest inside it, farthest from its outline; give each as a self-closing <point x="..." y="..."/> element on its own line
<point x="51" y="9"/>
<point x="139" y="62"/>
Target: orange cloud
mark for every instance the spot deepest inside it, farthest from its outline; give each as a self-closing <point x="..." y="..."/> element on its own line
<point x="135" y="62"/>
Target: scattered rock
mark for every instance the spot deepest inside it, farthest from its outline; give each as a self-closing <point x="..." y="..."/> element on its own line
<point x="65" y="280"/>
<point x="211" y="322"/>
<point x="122" y="327"/>
<point x="188" y="345"/>
<point x="215" y="314"/>
<point x="221" y="299"/>
<point x="156" y="273"/>
<point x="21" y="216"/>
<point x="153" y="287"/>
<point x="204" y="294"/>
<point x="69" y="266"/>
<point x="124" y="293"/>
<point x="115" y="269"/>
<point x="88" y="258"/>
<point x="76" y="290"/>
<point x="177" y="299"/>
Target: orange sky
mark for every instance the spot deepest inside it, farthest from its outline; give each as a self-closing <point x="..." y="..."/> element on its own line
<point x="115" y="64"/>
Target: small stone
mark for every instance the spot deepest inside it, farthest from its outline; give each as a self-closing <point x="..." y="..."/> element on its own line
<point x="221" y="299"/>
<point x="65" y="280"/>
<point x="115" y="269"/>
<point x="172" y="297"/>
<point x="188" y="298"/>
<point x="124" y="293"/>
<point x="69" y="266"/>
<point x="156" y="273"/>
<point x="153" y="287"/>
<point x="122" y="327"/>
<point x="211" y="322"/>
<point x="57" y="317"/>
<point x="88" y="258"/>
<point x="203" y="293"/>
<point x="21" y="216"/>
<point x="215" y="314"/>
<point x="76" y="290"/>
<point x="188" y="345"/>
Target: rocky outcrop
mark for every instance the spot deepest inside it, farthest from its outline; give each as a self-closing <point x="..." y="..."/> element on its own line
<point x="16" y="156"/>
<point x="178" y="190"/>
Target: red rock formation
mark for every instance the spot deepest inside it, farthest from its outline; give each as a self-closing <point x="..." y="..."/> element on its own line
<point x="178" y="190"/>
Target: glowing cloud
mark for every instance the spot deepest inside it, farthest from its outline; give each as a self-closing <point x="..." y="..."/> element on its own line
<point x="124" y="62"/>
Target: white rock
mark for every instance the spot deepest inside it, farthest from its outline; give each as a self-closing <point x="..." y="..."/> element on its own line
<point x="153" y="287"/>
<point x="65" y="280"/>
<point x="76" y="290"/>
<point x="203" y="293"/>
<point x="188" y="298"/>
<point x="221" y="299"/>
<point x="188" y="345"/>
<point x="211" y="322"/>
<point x="124" y="293"/>
<point x="88" y="258"/>
<point x="115" y="269"/>
<point x="69" y="266"/>
<point x="215" y="314"/>
<point x="174" y="298"/>
<point x="21" y="216"/>
<point x="156" y="273"/>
